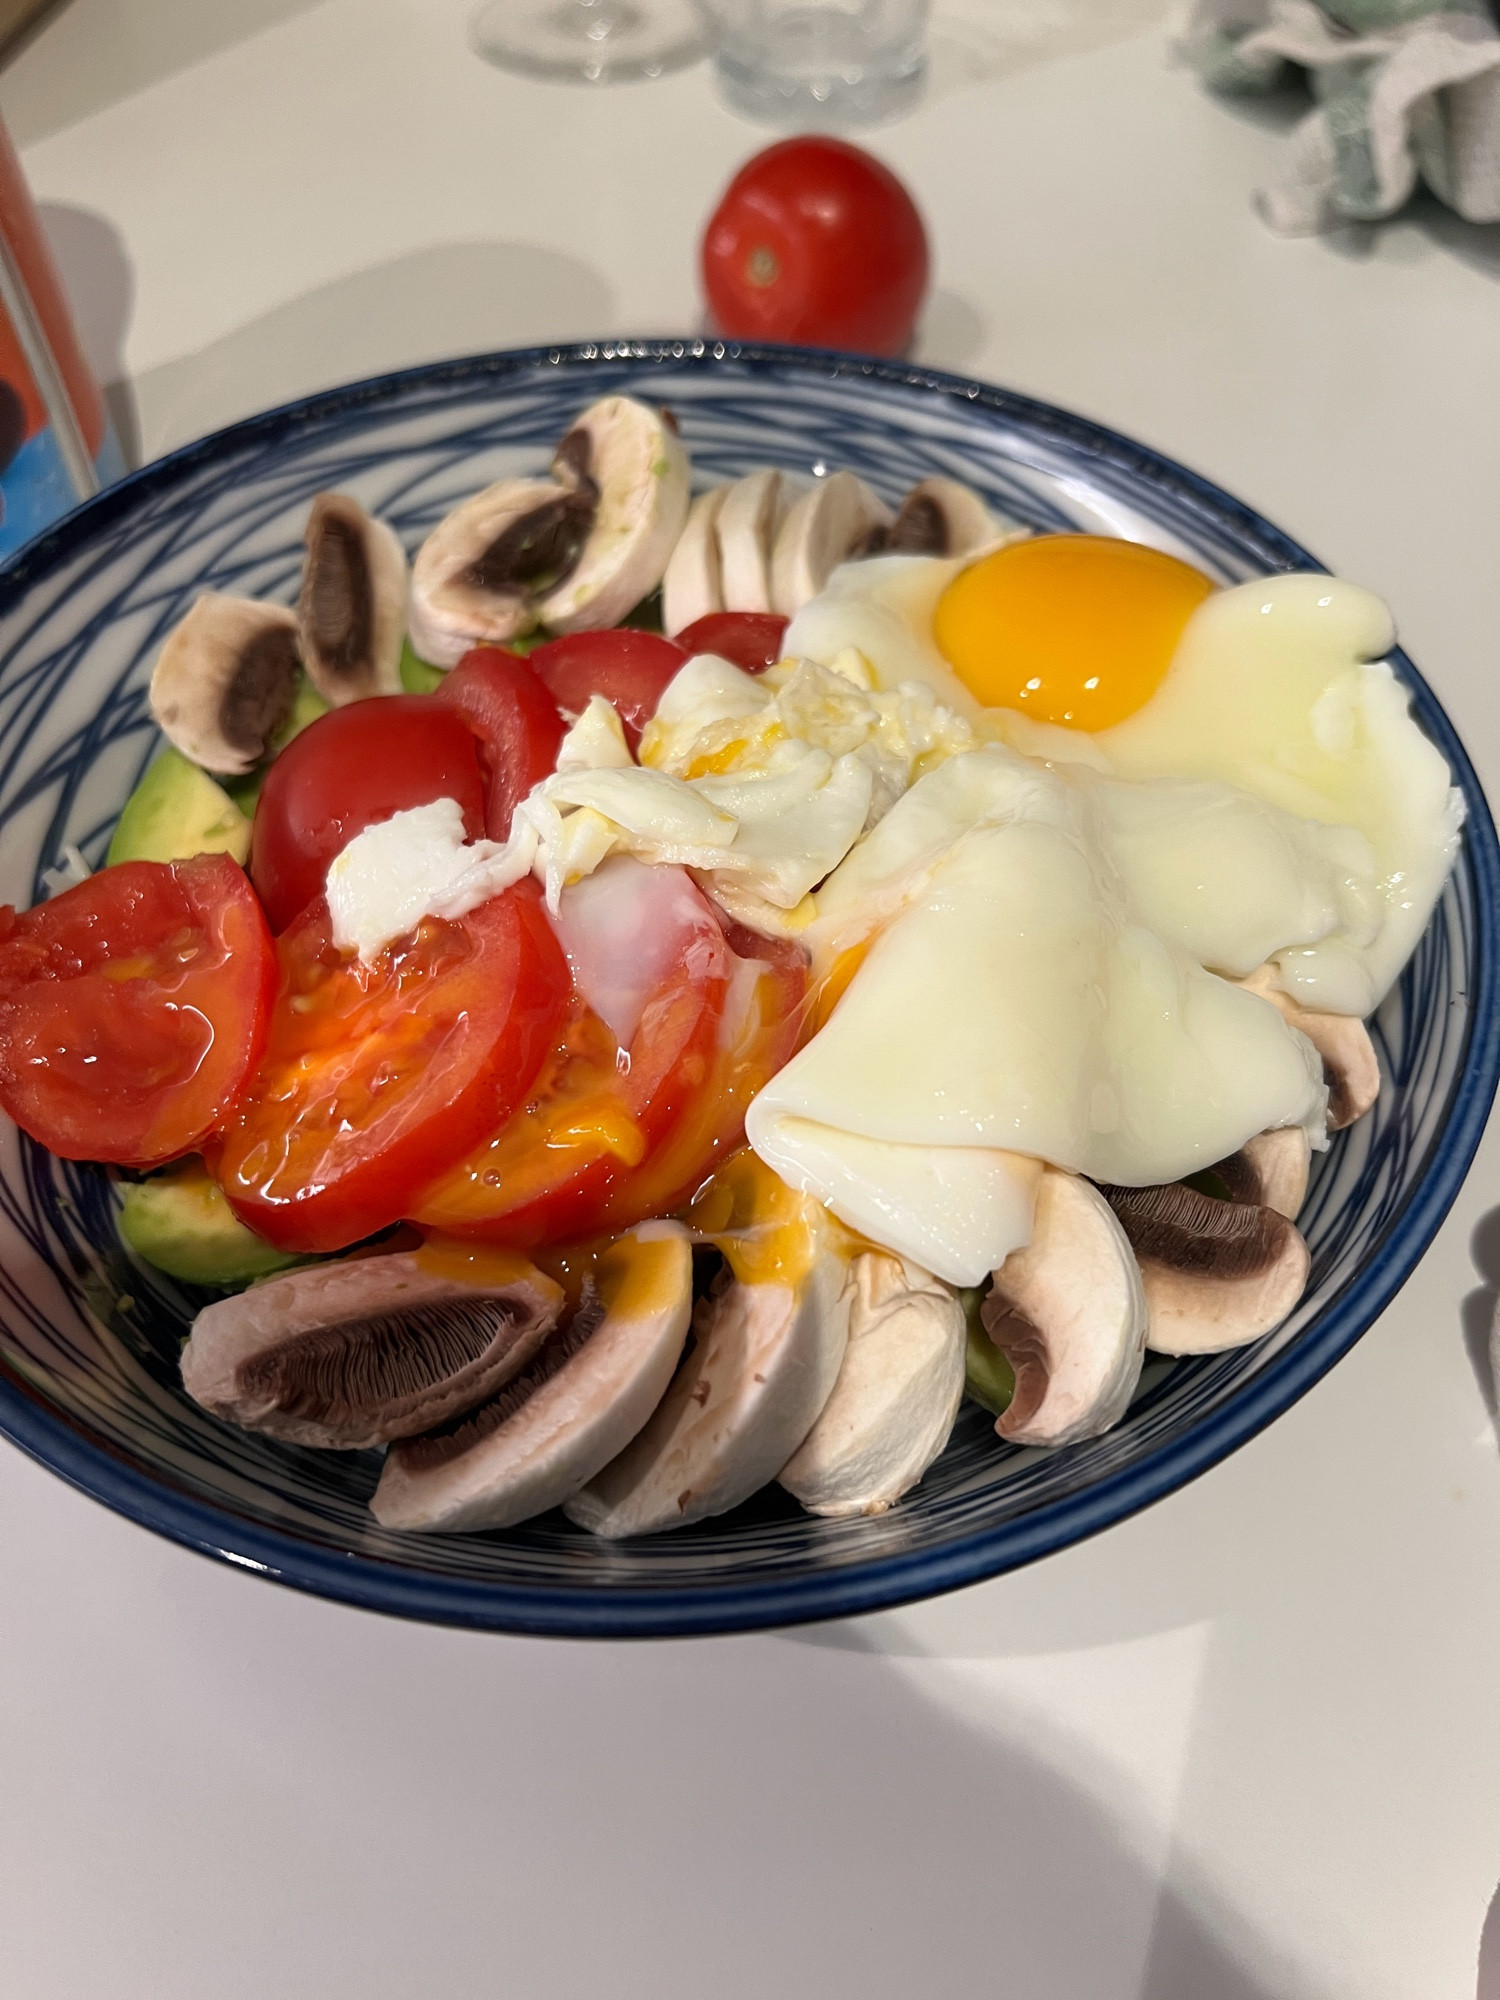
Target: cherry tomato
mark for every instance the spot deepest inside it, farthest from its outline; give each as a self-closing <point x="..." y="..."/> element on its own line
<point x="348" y="770"/>
<point x="591" y="1119"/>
<point x="518" y="724"/>
<point x="133" y="1008"/>
<point x="815" y="241"/>
<point x="629" y="668"/>
<point x="748" y="639"/>
<point x="374" y="1078"/>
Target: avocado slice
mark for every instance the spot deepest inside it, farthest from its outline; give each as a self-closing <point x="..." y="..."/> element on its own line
<point x="175" y="811"/>
<point x="180" y="1222"/>
<point x="989" y="1379"/>
<point x="416" y="676"/>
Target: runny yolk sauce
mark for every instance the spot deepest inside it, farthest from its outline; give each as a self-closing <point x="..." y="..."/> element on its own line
<point x="767" y="1232"/>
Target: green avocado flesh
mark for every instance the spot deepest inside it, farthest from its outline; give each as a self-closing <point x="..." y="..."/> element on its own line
<point x="178" y="810"/>
<point x="180" y="1222"/>
<point x="989" y="1379"/>
<point x="416" y="676"/>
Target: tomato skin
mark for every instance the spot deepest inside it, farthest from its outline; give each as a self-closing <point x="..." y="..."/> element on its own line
<point x="630" y="669"/>
<point x="814" y="241"/>
<point x="133" y="1009"/>
<point x="590" y="1120"/>
<point x="754" y="1041"/>
<point x="374" y="1078"/>
<point x="350" y="769"/>
<point x="518" y="724"/>
<point x="751" y="640"/>
<point x="705" y="1045"/>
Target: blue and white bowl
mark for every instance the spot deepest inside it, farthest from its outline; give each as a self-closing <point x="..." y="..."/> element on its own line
<point x="89" y="1339"/>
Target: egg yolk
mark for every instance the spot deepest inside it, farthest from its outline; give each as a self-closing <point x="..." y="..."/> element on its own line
<point x="1071" y="629"/>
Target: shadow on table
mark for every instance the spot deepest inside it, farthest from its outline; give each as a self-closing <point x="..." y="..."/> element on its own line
<point x="426" y="305"/>
<point x="1478" y="1312"/>
<point x="1488" y="1987"/>
<point x="99" y="279"/>
<point x="727" y="1817"/>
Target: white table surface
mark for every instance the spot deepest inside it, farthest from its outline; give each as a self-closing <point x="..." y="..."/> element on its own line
<point x="1244" y="1747"/>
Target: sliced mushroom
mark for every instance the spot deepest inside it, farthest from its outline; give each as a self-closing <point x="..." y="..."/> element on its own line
<point x="939" y="517"/>
<point x="1350" y="1065"/>
<point x="693" y="584"/>
<point x="823" y="529"/>
<point x="352" y="610"/>
<point x="762" y="1363"/>
<point x="356" y="1353"/>
<point x="897" y="1393"/>
<point x="225" y="681"/>
<point x="1217" y="1274"/>
<point x="478" y="574"/>
<point x="584" y="1395"/>
<point x="1069" y="1314"/>
<point x="628" y="461"/>
<point x="1270" y="1171"/>
<point x="749" y="523"/>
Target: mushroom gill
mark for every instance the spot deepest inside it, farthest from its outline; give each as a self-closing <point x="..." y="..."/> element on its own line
<point x="352" y="607"/>
<point x="225" y="681"/>
<point x="356" y="1353"/>
<point x="1216" y="1273"/>
<point x="447" y="1441"/>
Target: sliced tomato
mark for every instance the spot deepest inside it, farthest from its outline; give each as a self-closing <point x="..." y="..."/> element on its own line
<point x="598" y="1110"/>
<point x="759" y="1029"/>
<point x="348" y="770"/>
<point x="375" y="1077"/>
<point x="630" y="669"/>
<point x="518" y="724"/>
<point x="748" y="639"/>
<point x="133" y="1009"/>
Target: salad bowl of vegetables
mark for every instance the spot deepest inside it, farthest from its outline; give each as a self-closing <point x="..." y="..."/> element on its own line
<point x="504" y="869"/>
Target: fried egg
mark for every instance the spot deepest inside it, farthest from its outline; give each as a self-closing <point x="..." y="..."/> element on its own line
<point x="1031" y="956"/>
<point x="1013" y="1005"/>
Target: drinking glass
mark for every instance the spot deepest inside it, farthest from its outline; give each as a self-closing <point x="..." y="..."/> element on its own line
<point x="819" y="63"/>
<point x="589" y="41"/>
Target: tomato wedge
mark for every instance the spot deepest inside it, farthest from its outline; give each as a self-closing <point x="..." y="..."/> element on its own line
<point x="748" y="639"/>
<point x="133" y="1008"/>
<point x="630" y="669"/>
<point x="518" y="724"/>
<point x="348" y="770"/>
<point x="375" y="1077"/>
<point x="759" y="1029"/>
<point x="596" y="1111"/>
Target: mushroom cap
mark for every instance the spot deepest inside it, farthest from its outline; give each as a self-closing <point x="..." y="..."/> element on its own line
<point x="940" y="517"/>
<point x="1350" y="1064"/>
<point x="1069" y="1313"/>
<point x="475" y="577"/>
<point x="822" y="529"/>
<point x="896" y="1396"/>
<point x="1217" y="1274"/>
<point x="746" y="1393"/>
<point x="225" y="681"/>
<point x="1270" y="1171"/>
<point x="352" y="608"/>
<point x="630" y="461"/>
<point x="749" y="523"/>
<point x="693" y="584"/>
<point x="351" y="1354"/>
<point x="575" y="1406"/>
